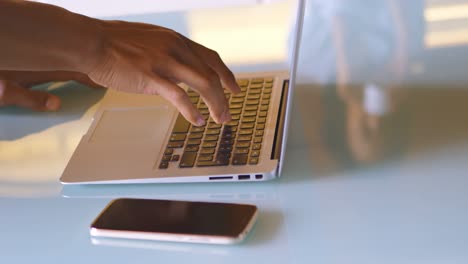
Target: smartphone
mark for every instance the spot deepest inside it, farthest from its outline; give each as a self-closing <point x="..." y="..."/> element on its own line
<point x="176" y="221"/>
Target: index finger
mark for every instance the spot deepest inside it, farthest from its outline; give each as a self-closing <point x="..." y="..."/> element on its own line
<point x="205" y="81"/>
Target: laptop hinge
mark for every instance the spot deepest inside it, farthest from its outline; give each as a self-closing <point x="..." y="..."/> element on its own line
<point x="278" y="139"/>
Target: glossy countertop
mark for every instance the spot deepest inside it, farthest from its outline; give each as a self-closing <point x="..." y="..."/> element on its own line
<point x="376" y="169"/>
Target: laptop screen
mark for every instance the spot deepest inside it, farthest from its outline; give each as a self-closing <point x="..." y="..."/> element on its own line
<point x="250" y="35"/>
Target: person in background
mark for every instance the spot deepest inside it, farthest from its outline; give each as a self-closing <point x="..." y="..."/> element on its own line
<point x="365" y="49"/>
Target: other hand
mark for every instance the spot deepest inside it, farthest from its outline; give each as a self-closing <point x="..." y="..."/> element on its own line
<point x="15" y="88"/>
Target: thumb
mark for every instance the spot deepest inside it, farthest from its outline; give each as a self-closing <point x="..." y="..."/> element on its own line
<point x="13" y="94"/>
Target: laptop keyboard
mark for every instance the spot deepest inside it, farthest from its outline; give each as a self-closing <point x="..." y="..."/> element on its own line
<point x="238" y="142"/>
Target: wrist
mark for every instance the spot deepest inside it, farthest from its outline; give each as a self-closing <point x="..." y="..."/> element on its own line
<point x="88" y="47"/>
<point x="43" y="37"/>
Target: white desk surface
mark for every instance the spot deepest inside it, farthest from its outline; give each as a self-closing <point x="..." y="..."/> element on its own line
<point x="376" y="169"/>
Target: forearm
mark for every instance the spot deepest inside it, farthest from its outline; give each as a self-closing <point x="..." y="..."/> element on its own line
<point x="36" y="36"/>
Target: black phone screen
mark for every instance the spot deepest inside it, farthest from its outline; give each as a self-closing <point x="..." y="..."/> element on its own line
<point x="179" y="217"/>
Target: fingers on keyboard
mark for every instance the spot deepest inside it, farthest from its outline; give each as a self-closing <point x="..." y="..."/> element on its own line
<point x="237" y="142"/>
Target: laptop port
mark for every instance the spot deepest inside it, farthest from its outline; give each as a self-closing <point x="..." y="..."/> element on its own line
<point x="221" y="178"/>
<point x="258" y="176"/>
<point x="244" y="177"/>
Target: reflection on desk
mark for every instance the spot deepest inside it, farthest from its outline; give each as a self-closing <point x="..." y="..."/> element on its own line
<point x="376" y="164"/>
<point x="43" y="142"/>
<point x="159" y="246"/>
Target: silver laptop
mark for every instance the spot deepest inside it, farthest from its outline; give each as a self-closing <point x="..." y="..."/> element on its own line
<point x="143" y="139"/>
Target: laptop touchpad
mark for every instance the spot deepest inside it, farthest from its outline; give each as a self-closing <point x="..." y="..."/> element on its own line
<point x="142" y="124"/>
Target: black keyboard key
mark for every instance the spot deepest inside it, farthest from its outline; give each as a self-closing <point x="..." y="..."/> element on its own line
<point x="223" y="158"/>
<point x="188" y="159"/>
<point x="227" y="135"/>
<point x="251" y="108"/>
<point x="244" y="138"/>
<point x="164" y="165"/>
<point x="220" y="160"/>
<point x="195" y="136"/>
<point x="177" y="137"/>
<point x="241" y="151"/>
<point x="225" y="141"/>
<point x="168" y="151"/>
<point x="239" y="95"/>
<point x="251" y="102"/>
<point x="213" y="131"/>
<point x="256" y="146"/>
<point x="237" y="100"/>
<point x="243" y="144"/>
<point x="257" y="140"/>
<point x="225" y="148"/>
<point x="212" y="138"/>
<point x="204" y="112"/>
<point x="255" y="153"/>
<point x="247" y="125"/>
<point x="230" y="125"/>
<point x="177" y="144"/>
<point x="248" y="119"/>
<point x="261" y="120"/>
<point x="246" y="132"/>
<point x="209" y="164"/>
<point x="266" y="96"/>
<point x="231" y="129"/>
<point x="262" y="114"/>
<point x="264" y="108"/>
<point x="193" y="148"/>
<point x="260" y="126"/>
<point x="214" y="125"/>
<point x="268" y="85"/>
<point x="207" y="151"/>
<point x="242" y="82"/>
<point x="249" y="113"/>
<point x="198" y="129"/>
<point x="267" y="91"/>
<point x="253" y="161"/>
<point x="209" y="144"/>
<point x="255" y="91"/>
<point x="235" y="111"/>
<point x="166" y="158"/>
<point x="192" y="142"/>
<point x="265" y="102"/>
<point x="205" y="158"/>
<point x="253" y="97"/>
<point x="239" y="159"/>
<point x="235" y="106"/>
<point x="181" y="125"/>
<point x="259" y="133"/>
<point x="175" y="158"/>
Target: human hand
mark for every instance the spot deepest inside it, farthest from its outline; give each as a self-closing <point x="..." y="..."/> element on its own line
<point x="147" y="59"/>
<point x="14" y="88"/>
